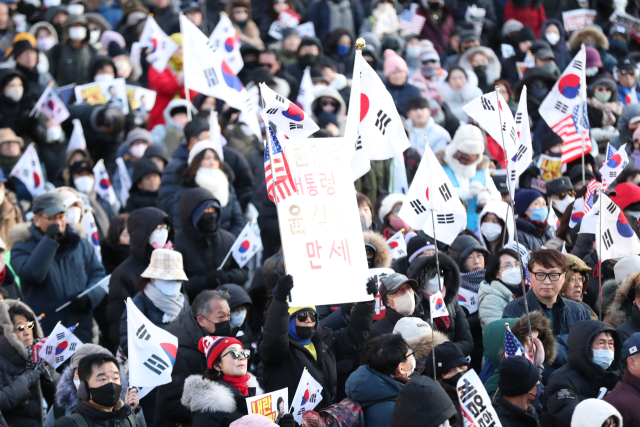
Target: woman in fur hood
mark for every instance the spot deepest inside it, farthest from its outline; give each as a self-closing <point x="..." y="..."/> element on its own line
<point x="625" y="300"/>
<point x="594" y="37"/>
<point x="217" y="398"/>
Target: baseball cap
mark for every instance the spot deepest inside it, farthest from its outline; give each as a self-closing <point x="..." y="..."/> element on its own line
<point x="559" y="185"/>
<point x="187" y="6"/>
<point x="626" y="64"/>
<point x="411" y="328"/>
<point x="631" y="346"/>
<point x="49" y="203"/>
<point x="393" y="282"/>
<point x="544" y="53"/>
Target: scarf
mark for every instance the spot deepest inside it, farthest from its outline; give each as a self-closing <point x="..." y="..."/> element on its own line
<point x="541" y="226"/>
<point x="170" y="306"/>
<point x="471" y="280"/>
<point x="340" y="15"/>
<point x="294" y="334"/>
<point x="239" y="383"/>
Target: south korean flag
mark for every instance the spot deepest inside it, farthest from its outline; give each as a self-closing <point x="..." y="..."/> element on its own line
<point x="287" y="116"/>
<point x="59" y="346"/>
<point x="615" y="238"/>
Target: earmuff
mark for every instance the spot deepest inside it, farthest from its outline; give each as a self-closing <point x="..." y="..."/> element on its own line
<point x="83" y="391"/>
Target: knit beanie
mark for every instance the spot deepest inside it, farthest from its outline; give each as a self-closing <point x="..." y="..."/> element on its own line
<point x="393" y="62"/>
<point x="526" y="34"/>
<point x="511" y="26"/>
<point x="428" y="53"/>
<point x="86" y="350"/>
<point x="213" y="347"/>
<point x="524" y="198"/>
<point x="418" y="245"/>
<point x="517" y="376"/>
<point x="448" y="356"/>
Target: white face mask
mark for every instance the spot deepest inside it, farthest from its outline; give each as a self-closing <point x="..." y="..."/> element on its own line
<point x="84" y="184"/>
<point x="94" y="36"/>
<point x="583" y="3"/>
<point x="14" y="93"/>
<point x="77" y="33"/>
<point x="512" y="276"/>
<point x="553" y="38"/>
<point x="561" y="205"/>
<point x="45" y="44"/>
<point x="99" y="78"/>
<point x="591" y="71"/>
<point x="76" y="383"/>
<point x="159" y="237"/>
<point x="433" y="285"/>
<point x="413" y="366"/>
<point x="237" y="318"/>
<point x="137" y="150"/>
<point x="54" y="133"/>
<point x="491" y="231"/>
<point x="75" y="9"/>
<point x="168" y="287"/>
<point x="73" y="215"/>
<point x="404" y="304"/>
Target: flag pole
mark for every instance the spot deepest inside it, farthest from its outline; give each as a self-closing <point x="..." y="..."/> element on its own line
<point x="583" y="81"/>
<point x="599" y="255"/>
<point x="513" y="216"/>
<point x="230" y="250"/>
<point x="66" y="304"/>
<point x="186" y="87"/>
<point x="433" y="324"/>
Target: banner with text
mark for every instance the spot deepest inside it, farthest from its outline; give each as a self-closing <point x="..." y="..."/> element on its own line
<point x="578" y="18"/>
<point x="113" y="93"/>
<point x="272" y="405"/>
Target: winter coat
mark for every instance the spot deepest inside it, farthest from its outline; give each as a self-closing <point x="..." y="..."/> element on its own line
<point x="284" y="358"/>
<point x="458" y="99"/>
<point x="66" y="398"/>
<point x="20" y="388"/>
<point x="320" y="15"/>
<point x="625" y="397"/>
<point x="366" y="385"/>
<point x="493" y="69"/>
<point x="189" y="361"/>
<point x="125" y="279"/>
<point x="166" y="85"/>
<point x="492" y="299"/>
<point x="530" y="236"/>
<point x="438" y="33"/>
<point x="52" y="273"/>
<point x="216" y="403"/>
<point x="528" y="15"/>
<point x="112" y="258"/>
<point x="201" y="253"/>
<point x="458" y="331"/>
<point x="568" y="312"/>
<point x="493" y="345"/>
<point x="511" y="415"/>
<point x="580" y="36"/>
<point x="401" y="94"/>
<point x="533" y="103"/>
<point x="437" y="136"/>
<point x="499" y="209"/>
<point x="341" y="113"/>
<point x="69" y="65"/>
<point x="121" y="416"/>
<point x="559" y="49"/>
<point x="15" y="115"/>
<point x="625" y="295"/>
<point x="625" y="135"/>
<point x="580" y="379"/>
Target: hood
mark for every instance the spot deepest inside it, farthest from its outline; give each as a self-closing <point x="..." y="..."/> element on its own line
<point x="625" y="295"/>
<point x="316" y="41"/>
<point x="97" y="62"/>
<point x="99" y="21"/>
<point x="628" y="112"/>
<point x="189" y="201"/>
<point x="576" y="265"/>
<point x="462" y="247"/>
<point x="372" y="40"/>
<point x="53" y="11"/>
<point x="560" y="27"/>
<point x="493" y="340"/>
<point x="423" y="344"/>
<point x="365" y="385"/>
<point x="140" y="225"/>
<point x="607" y="82"/>
<point x="540" y="323"/>
<point x="66" y="392"/>
<point x="493" y="69"/>
<point x="502" y="211"/>
<point x="238" y="296"/>
<point x="331" y="93"/>
<point x="594" y="412"/>
<point x="424" y="268"/>
<point x="579" y="347"/>
<point x="7" y="325"/>
<point x="422" y="402"/>
<point x="382" y="257"/>
<point x="142" y="168"/>
<point x="7" y="74"/>
<point x="43" y="24"/>
<point x="202" y="395"/>
<point x="579" y="36"/>
<point x="166" y="113"/>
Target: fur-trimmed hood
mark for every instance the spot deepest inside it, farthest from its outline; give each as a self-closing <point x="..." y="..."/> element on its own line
<point x="484" y="163"/>
<point x="66" y="392"/>
<point x="541" y="324"/>
<point x="202" y="395"/>
<point x="625" y="295"/>
<point x="7" y="325"/>
<point x="579" y="36"/>
<point x="423" y="345"/>
<point x="382" y="257"/>
<point x="424" y="268"/>
<point x="22" y="232"/>
<point x="493" y="69"/>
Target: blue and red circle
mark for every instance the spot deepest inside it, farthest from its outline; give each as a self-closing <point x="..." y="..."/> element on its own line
<point x="230" y="78"/>
<point x="61" y="347"/>
<point x="294" y="113"/>
<point x="440" y="303"/>
<point x="244" y="247"/>
<point x="614" y="161"/>
<point x="569" y="86"/>
<point x="623" y="227"/>
<point x="105" y="183"/>
<point x="95" y="238"/>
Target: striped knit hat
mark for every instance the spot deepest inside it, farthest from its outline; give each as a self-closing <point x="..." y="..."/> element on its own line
<point x="212" y="347"/>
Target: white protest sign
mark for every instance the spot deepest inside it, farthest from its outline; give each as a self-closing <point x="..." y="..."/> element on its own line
<point x="627" y="21"/>
<point x="320" y="225"/>
<point x="286" y="19"/>
<point x="475" y="16"/>
<point x="272" y="405"/>
<point x="378" y="274"/>
<point x="475" y="403"/>
<point x="306" y="30"/>
<point x="113" y="93"/>
<point x="578" y="18"/>
<point x="141" y="100"/>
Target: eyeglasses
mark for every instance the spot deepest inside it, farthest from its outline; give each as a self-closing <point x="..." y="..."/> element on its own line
<point x="476" y="257"/>
<point x="625" y="72"/>
<point x="411" y="353"/>
<point x="162" y="227"/>
<point x="554" y="277"/>
<point x="29" y="325"/>
<point x="576" y="279"/>
<point x="508" y="265"/>
<point x="235" y="354"/>
<point x="302" y="317"/>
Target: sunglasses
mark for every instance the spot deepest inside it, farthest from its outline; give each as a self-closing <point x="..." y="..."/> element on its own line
<point x="307" y="314"/>
<point x="625" y="72"/>
<point x="235" y="354"/>
<point x="29" y="325"/>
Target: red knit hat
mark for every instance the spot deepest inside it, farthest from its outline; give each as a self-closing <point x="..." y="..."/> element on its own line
<point x="625" y="194"/>
<point x="213" y="347"/>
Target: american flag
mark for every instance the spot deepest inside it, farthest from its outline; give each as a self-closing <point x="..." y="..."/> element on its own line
<point x="282" y="178"/>
<point x="567" y="130"/>
<point x="412" y="22"/>
<point x="512" y="346"/>
<point x="590" y="195"/>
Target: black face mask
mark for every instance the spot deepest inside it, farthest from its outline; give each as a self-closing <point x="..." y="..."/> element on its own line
<point x="307" y="60"/>
<point x="453" y="381"/>
<point x="223" y="329"/>
<point x="480" y="69"/>
<point x="107" y="395"/>
<point x="208" y="223"/>
<point x="305" y="332"/>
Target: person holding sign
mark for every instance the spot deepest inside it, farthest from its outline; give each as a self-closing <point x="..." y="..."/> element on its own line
<point x="294" y="340"/>
<point x="518" y="384"/>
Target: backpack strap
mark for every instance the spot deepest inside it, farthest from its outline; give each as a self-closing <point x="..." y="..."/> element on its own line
<point x="373" y="402"/>
<point x="79" y="420"/>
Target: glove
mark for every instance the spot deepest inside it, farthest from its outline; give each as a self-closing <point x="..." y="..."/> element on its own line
<point x="475" y="188"/>
<point x="44" y="372"/>
<point x="54" y="232"/>
<point x="218" y="277"/>
<point x="372" y="287"/>
<point x="287" y="421"/>
<point x="483" y="197"/>
<point x="30" y="378"/>
<point x="81" y="304"/>
<point x="283" y="289"/>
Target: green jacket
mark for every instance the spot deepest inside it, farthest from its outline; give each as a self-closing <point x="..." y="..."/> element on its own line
<point x="493" y="342"/>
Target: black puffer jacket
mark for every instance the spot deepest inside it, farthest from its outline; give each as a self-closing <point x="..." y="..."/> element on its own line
<point x="511" y="415"/>
<point x="285" y="358"/>
<point x="423" y="269"/>
<point x="121" y="416"/>
<point x="15" y="115"/>
<point x="580" y="379"/>
<point x="125" y="279"/>
<point x="203" y="254"/>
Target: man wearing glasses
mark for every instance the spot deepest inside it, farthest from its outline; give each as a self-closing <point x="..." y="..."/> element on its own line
<point x="55" y="265"/>
<point x="627" y="87"/>
<point x="547" y="271"/>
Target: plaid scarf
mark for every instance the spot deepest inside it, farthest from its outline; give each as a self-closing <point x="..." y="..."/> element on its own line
<point x="471" y="280"/>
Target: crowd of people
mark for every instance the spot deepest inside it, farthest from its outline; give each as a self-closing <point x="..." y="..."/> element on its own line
<point x="165" y="247"/>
